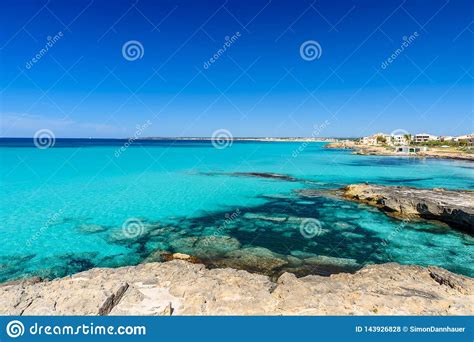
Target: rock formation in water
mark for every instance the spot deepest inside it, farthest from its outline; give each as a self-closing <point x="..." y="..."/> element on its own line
<point x="182" y="288"/>
<point x="454" y="207"/>
<point x="267" y="175"/>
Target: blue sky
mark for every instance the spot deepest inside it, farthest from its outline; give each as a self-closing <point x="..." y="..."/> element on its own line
<point x="260" y="86"/>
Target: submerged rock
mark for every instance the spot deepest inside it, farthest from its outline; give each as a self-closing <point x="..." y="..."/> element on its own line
<point x="156" y="256"/>
<point x="181" y="288"/>
<point x="323" y="260"/>
<point x="254" y="216"/>
<point x="268" y="175"/>
<point x="302" y="254"/>
<point x="206" y="247"/>
<point x="253" y="259"/>
<point x="454" y="207"/>
<point x="303" y="264"/>
<point x="91" y="228"/>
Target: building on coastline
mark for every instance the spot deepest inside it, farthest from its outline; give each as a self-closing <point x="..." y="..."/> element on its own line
<point x="385" y="139"/>
<point x="370" y="140"/>
<point x="399" y="139"/>
<point x="410" y="149"/>
<point x="406" y="139"/>
<point x="465" y="138"/>
<point x="424" y="137"/>
<point x="446" y="138"/>
<point x="376" y="139"/>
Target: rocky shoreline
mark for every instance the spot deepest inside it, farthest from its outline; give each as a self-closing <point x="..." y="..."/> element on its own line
<point x="181" y="288"/>
<point x="454" y="207"/>
<point x="383" y="151"/>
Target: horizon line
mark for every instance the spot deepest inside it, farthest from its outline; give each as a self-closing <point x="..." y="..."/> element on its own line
<point x="182" y="138"/>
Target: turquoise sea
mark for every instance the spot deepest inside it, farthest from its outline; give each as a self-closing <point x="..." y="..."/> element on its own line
<point x="88" y="203"/>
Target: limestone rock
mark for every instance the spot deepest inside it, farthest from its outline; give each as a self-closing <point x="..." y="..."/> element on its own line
<point x="206" y="247"/>
<point x="254" y="259"/>
<point x="181" y="288"/>
<point x="454" y="207"/>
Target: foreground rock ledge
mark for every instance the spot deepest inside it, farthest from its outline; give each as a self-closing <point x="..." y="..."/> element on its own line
<point x="454" y="207"/>
<point x="181" y="288"/>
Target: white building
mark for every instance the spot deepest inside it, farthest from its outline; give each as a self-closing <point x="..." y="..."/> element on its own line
<point x="424" y="137"/>
<point x="466" y="137"/>
<point x="399" y="139"/>
<point x="370" y="140"/>
<point x="410" y="149"/>
<point x="446" y="138"/>
<point x="374" y="139"/>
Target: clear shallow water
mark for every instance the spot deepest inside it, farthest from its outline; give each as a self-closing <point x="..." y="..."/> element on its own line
<point x="63" y="208"/>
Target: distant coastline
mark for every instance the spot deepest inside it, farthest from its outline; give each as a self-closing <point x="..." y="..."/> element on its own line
<point x="281" y="139"/>
<point x="295" y="139"/>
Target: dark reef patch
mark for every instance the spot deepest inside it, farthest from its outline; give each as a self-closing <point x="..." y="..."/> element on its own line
<point x="309" y="231"/>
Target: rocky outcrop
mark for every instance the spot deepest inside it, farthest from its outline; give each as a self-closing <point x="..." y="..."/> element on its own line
<point x="341" y="145"/>
<point x="182" y="288"/>
<point x="454" y="207"/>
<point x="431" y="153"/>
<point x="370" y="150"/>
<point x="265" y="175"/>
